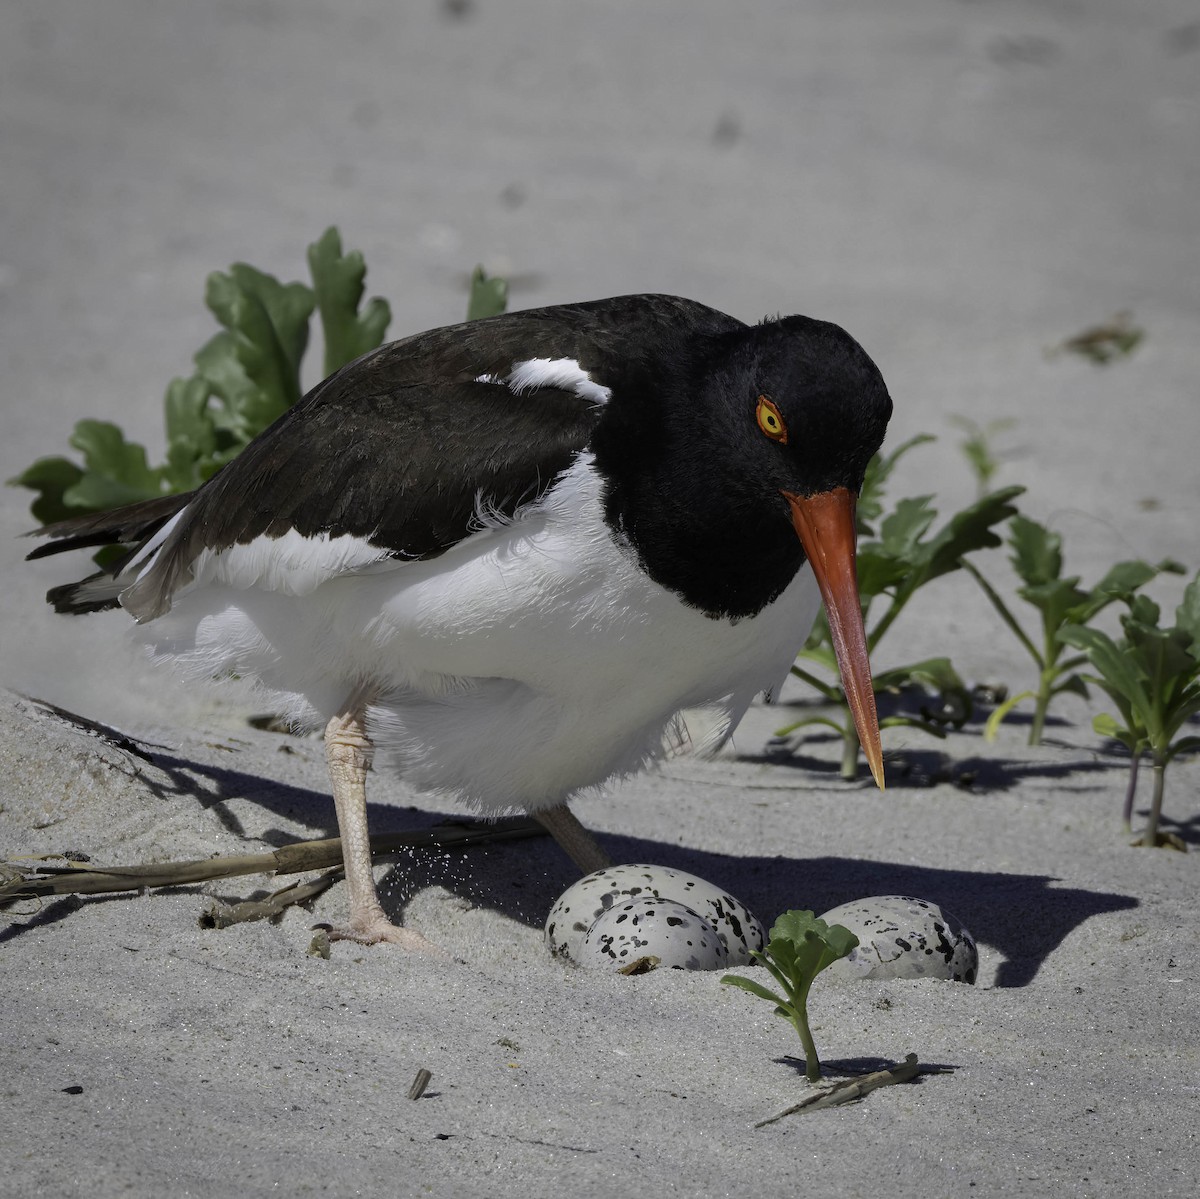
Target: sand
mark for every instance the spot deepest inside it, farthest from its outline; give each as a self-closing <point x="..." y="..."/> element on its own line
<point x="962" y="186"/>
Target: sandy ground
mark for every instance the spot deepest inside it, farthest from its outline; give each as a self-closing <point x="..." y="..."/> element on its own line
<point x="961" y="185"/>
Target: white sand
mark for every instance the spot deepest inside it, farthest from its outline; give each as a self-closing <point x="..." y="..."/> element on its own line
<point x="959" y="184"/>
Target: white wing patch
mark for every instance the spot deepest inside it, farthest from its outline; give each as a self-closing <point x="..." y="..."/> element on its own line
<point x="551" y="372"/>
<point x="289" y="565"/>
<point x="145" y="556"/>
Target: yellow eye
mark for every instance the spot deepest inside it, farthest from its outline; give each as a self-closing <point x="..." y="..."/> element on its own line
<point x="770" y="420"/>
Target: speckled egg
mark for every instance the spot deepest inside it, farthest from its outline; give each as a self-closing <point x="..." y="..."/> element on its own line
<point x="903" y="937"/>
<point x="584" y="902"/>
<point x="652" y="928"/>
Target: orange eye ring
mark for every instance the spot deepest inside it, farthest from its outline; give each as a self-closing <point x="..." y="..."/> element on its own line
<point x="770" y="419"/>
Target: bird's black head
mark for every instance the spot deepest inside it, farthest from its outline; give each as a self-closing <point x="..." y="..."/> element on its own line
<point x="804" y="403"/>
<point x="731" y="462"/>
<point x="702" y="447"/>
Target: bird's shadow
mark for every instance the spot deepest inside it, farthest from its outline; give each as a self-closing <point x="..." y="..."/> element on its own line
<point x="1023" y="917"/>
<point x="919" y="769"/>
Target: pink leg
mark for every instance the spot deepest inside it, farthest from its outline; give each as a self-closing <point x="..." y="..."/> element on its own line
<point x="348" y="752"/>
<point x="579" y="845"/>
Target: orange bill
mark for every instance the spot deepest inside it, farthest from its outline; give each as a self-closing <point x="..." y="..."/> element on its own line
<point x="825" y="525"/>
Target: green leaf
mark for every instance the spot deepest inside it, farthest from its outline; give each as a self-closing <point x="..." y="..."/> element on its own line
<point x="489" y="297"/>
<point x="51" y="478"/>
<point x="804" y="721"/>
<point x="1162" y="655"/>
<point x="1181" y="710"/>
<point x="115" y="470"/>
<point x="746" y="984"/>
<point x="1143" y="611"/>
<point x="807" y="944"/>
<point x="338" y="284"/>
<point x="1119" y="583"/>
<point x="1036" y="551"/>
<point x="996" y="719"/>
<point x="870" y="497"/>
<point x="192" y="435"/>
<point x="1186" y="745"/>
<point x="1105" y="726"/>
<point x="1187" y="615"/>
<point x="1055" y="599"/>
<point x="912" y="722"/>
<point x="901" y="532"/>
<point x="1114" y="664"/>
<point x="1073" y="684"/>
<point x="967" y="531"/>
<point x="878" y="571"/>
<point x="254" y="366"/>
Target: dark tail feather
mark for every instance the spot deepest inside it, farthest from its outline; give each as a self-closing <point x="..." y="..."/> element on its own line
<point x="96" y="593"/>
<point x="130" y="526"/>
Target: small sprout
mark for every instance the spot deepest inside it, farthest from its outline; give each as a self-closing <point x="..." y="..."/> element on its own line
<point x="1153" y="678"/>
<point x="1103" y="343"/>
<point x="978" y="448"/>
<point x="799" y="948"/>
<point x="489" y="296"/>
<point x="1061" y="604"/>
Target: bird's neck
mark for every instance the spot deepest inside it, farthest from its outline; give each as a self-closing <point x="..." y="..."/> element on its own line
<point x="698" y="529"/>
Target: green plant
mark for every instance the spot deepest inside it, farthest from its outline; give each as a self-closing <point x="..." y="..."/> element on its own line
<point x="245" y="377"/>
<point x="1104" y="343"/>
<point x="1061" y="604"/>
<point x="1153" y="678"/>
<point x="978" y="447"/>
<point x="799" y="948"/>
<point x="894" y="564"/>
<point x="489" y="296"/>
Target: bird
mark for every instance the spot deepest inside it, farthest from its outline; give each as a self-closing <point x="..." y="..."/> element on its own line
<point x="509" y="553"/>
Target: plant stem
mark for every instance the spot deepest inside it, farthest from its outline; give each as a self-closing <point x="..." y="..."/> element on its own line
<point x="850" y="748"/>
<point x="1135" y="759"/>
<point x="812" y="1063"/>
<point x="830" y="691"/>
<point x="885" y="621"/>
<point x="1041" y="707"/>
<point x="1002" y="609"/>
<point x="1150" y="836"/>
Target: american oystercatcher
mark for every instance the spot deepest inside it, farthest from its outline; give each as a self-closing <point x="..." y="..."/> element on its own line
<point x="510" y="552"/>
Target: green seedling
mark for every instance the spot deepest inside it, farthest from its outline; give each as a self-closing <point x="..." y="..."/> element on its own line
<point x="338" y="286"/>
<point x="893" y="565"/>
<point x="1103" y="343"/>
<point x="489" y="296"/>
<point x="978" y="448"/>
<point x="799" y="948"/>
<point x="1061" y="603"/>
<point x="245" y="377"/>
<point x="1153" y="678"/>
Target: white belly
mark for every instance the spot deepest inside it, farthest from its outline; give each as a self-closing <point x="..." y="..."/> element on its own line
<point x="530" y="661"/>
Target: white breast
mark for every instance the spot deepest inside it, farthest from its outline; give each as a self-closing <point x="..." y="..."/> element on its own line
<point x="529" y="661"/>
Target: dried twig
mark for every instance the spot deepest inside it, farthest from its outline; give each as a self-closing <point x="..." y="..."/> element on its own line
<point x="850" y="1089"/>
<point x="269" y="907"/>
<point x="28" y="880"/>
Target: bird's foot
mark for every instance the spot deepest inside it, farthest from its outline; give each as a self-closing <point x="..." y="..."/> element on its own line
<point x="377" y="929"/>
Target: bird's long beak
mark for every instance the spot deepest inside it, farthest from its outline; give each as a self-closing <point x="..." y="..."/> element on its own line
<point x="825" y="525"/>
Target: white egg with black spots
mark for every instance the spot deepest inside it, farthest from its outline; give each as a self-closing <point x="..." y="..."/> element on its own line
<point x="902" y="937"/>
<point x="652" y="928"/>
<point x="581" y="904"/>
